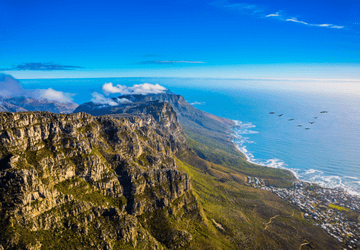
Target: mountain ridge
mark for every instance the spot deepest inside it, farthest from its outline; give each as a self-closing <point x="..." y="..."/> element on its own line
<point x="68" y="173"/>
<point x="132" y="177"/>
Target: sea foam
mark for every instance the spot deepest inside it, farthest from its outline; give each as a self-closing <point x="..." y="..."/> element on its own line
<point x="351" y="184"/>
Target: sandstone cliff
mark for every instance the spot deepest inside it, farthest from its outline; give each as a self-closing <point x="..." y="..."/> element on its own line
<point x="81" y="182"/>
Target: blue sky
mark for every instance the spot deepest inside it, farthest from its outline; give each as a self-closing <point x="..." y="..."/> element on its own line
<point x="226" y="38"/>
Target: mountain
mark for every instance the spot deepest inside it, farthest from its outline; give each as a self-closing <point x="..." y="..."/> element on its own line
<point x="76" y="180"/>
<point x="209" y="136"/>
<point x="21" y="104"/>
<point x="213" y="129"/>
<point x="14" y="98"/>
<point x="10" y="87"/>
<point x="133" y="178"/>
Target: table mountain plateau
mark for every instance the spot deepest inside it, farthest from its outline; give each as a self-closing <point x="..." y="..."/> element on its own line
<point x="76" y="180"/>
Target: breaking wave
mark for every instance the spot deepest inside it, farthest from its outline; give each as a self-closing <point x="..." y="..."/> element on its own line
<point x="351" y="184"/>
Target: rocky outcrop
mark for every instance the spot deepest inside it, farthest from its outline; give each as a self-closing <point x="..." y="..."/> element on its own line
<point x="93" y="182"/>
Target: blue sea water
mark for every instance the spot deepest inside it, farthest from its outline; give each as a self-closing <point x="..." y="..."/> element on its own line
<point x="328" y="153"/>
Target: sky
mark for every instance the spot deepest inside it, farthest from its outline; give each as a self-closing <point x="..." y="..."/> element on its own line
<point x="161" y="38"/>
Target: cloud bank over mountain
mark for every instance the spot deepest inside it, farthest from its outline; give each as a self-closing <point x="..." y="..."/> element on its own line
<point x="98" y="98"/>
<point x="10" y="87"/>
<point x="137" y="89"/>
<point x="54" y="95"/>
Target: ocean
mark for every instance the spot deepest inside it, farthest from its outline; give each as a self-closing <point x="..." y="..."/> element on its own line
<point x="328" y="153"/>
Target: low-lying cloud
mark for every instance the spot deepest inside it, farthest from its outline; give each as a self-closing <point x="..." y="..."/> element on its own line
<point x="197" y="103"/>
<point x="137" y="89"/>
<point x="42" y="67"/>
<point x="54" y="95"/>
<point x="10" y="87"/>
<point x="98" y="98"/>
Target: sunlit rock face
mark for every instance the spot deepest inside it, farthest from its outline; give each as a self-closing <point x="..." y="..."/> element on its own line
<point x="92" y="181"/>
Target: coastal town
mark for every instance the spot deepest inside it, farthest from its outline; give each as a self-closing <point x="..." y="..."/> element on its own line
<point x="334" y="210"/>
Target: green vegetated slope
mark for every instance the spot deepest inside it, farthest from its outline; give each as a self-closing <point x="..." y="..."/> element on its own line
<point x="82" y="182"/>
<point x="245" y="217"/>
<point x="233" y="214"/>
<point x="235" y="161"/>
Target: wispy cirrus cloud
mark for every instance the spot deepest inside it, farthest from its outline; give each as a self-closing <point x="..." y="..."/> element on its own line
<point x="258" y="11"/>
<point x="169" y="62"/>
<point x="42" y="67"/>
<point x="273" y="15"/>
<point x="326" y="25"/>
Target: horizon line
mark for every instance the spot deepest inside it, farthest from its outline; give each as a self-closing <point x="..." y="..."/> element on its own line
<point x="208" y="77"/>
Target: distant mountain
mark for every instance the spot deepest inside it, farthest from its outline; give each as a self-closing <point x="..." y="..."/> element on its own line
<point x="9" y="86"/>
<point x="20" y="104"/>
<point x="216" y="131"/>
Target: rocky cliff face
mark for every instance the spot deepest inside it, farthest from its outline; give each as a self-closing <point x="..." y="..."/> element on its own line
<point x="193" y="120"/>
<point x="81" y="182"/>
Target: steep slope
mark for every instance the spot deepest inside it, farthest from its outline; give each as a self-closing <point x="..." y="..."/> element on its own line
<point x="208" y="135"/>
<point x="77" y="181"/>
<point x="199" y="125"/>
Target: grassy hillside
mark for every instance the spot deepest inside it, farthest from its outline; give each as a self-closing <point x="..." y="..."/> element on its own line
<point x="236" y="163"/>
<point x="245" y="217"/>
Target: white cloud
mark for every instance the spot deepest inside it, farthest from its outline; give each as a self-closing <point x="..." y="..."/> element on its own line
<point x="123" y="101"/>
<point x="139" y="89"/>
<point x="101" y="99"/>
<point x="258" y="10"/>
<point x="54" y="95"/>
<point x="273" y="15"/>
<point x="293" y="19"/>
<point x="10" y="87"/>
<point x="337" y="27"/>
<point x="326" y="25"/>
<point x="197" y="103"/>
<point x="109" y="88"/>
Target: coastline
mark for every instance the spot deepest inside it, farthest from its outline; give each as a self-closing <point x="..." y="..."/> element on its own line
<point x="250" y="158"/>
